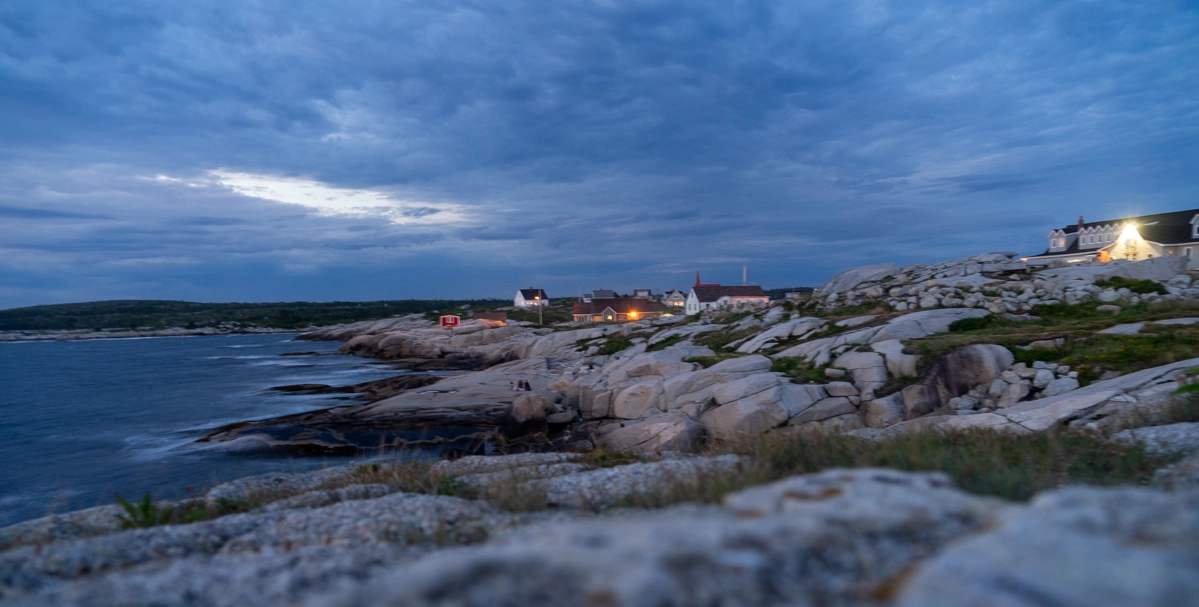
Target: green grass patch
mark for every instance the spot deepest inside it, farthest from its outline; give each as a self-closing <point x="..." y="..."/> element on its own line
<point x="1014" y="467"/>
<point x="720" y="339"/>
<point x="1140" y="287"/>
<point x="800" y="370"/>
<point x="708" y="361"/>
<point x="972" y="324"/>
<point x="666" y="343"/>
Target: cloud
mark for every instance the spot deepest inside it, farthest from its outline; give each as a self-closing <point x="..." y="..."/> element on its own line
<point x="435" y="147"/>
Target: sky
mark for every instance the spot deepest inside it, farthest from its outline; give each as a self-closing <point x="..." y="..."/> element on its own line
<point x="283" y="150"/>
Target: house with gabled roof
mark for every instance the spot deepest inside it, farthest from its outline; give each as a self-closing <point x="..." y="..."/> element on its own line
<point x="708" y="296"/>
<point x="1131" y="238"/>
<point x="530" y="298"/>
<point x="599" y="294"/>
<point x="674" y="298"/>
<point x="617" y="309"/>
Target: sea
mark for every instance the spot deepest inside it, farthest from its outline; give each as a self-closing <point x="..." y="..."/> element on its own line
<point x="84" y="421"/>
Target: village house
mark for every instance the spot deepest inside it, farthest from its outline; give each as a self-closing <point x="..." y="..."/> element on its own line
<point x="1131" y="238"/>
<point x="643" y="293"/>
<point x="674" y="298"/>
<point x="599" y="294"/>
<point x="710" y="296"/>
<point x="617" y="309"/>
<point x="530" y="298"/>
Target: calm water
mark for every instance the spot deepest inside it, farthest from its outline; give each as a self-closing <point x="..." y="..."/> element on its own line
<point x="82" y="420"/>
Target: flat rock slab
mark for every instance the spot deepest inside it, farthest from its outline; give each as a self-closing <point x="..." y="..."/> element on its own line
<point x="826" y="539"/>
<point x="1078" y="547"/>
<point x="1126" y="329"/>
<point x="1170" y="438"/>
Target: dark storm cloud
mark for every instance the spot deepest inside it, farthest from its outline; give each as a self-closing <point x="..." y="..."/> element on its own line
<point x="571" y="142"/>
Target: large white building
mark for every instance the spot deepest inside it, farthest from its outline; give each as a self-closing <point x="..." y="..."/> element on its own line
<point x="1132" y="238"/>
<point x="530" y="297"/>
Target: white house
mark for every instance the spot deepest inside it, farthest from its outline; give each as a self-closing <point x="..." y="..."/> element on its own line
<point x="709" y="296"/>
<point x="674" y="298"/>
<point x="1131" y="238"/>
<point x="530" y="297"/>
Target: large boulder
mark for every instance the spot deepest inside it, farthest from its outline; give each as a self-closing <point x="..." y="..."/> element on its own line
<point x="665" y="432"/>
<point x="885" y="411"/>
<point x="853" y="277"/>
<point x="747" y="386"/>
<point x="639" y="400"/>
<point x="898" y="363"/>
<point x="744" y="418"/>
<point x="869" y="369"/>
<point x="953" y="375"/>
<point x="1077" y="547"/>
<point x="924" y="323"/>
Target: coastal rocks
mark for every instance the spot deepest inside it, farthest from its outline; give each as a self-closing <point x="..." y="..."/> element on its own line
<point x="838" y="537"/>
<point x="605" y="487"/>
<point x="743" y="419"/>
<point x="1170" y="438"/>
<point x="1077" y="408"/>
<point x="1077" y="547"/>
<point x="462" y="412"/>
<point x="274" y="483"/>
<point x="1005" y="287"/>
<point x="868" y="369"/>
<point x="851" y="278"/>
<point x="955" y="374"/>
<point x="832" y="538"/>
<point x="782" y="331"/>
<point x="665" y="432"/>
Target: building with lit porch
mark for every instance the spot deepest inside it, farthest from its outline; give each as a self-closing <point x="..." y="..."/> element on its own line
<point x="1131" y="238"/>
<point x="530" y="297"/>
<point x="617" y="309"/>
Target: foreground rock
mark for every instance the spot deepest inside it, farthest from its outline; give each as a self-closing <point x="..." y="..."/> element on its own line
<point x="839" y="537"/>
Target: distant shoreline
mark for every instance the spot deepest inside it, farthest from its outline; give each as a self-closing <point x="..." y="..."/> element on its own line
<point x="22" y="336"/>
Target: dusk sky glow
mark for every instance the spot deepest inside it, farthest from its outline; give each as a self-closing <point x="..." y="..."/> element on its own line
<point x="294" y="150"/>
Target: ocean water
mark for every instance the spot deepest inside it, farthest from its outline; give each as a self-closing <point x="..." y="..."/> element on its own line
<point x="81" y="421"/>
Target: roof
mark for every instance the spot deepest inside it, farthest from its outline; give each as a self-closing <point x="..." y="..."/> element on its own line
<point x="620" y="305"/>
<point x="708" y="294"/>
<point x="603" y="294"/>
<point x="1162" y="228"/>
<point x="532" y="293"/>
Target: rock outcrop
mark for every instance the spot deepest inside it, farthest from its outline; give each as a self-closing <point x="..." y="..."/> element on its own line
<point x="838" y="537"/>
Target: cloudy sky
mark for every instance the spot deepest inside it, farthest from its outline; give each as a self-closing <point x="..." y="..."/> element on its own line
<point x="283" y="150"/>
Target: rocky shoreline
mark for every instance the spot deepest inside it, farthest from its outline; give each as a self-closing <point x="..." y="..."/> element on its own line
<point x="623" y="477"/>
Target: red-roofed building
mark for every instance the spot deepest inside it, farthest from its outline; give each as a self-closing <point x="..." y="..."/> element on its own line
<point x="710" y="296"/>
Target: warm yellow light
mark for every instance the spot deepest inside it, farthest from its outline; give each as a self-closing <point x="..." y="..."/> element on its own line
<point x="1130" y="231"/>
<point x="633" y="315"/>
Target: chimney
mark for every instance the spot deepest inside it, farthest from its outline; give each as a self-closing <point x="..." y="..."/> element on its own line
<point x="697" y="278"/>
<point x="1080" y="221"/>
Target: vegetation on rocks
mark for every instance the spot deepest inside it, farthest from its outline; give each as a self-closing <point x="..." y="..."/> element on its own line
<point x="1078" y="326"/>
<point x="1009" y="466"/>
<point x="1140" y="287"/>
